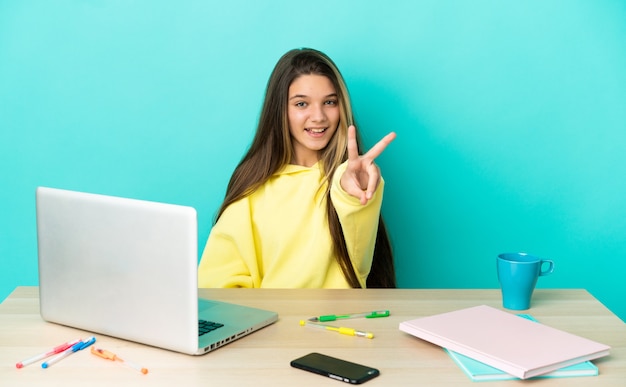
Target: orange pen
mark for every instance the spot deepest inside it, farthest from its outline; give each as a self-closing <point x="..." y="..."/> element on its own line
<point x="103" y="353"/>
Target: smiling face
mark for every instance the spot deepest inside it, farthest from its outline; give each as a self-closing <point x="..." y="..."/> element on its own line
<point x="313" y="114"/>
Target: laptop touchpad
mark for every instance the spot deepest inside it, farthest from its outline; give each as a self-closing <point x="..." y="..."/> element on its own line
<point x="205" y="304"/>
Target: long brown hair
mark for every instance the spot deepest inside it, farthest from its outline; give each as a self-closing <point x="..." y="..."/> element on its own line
<point x="271" y="149"/>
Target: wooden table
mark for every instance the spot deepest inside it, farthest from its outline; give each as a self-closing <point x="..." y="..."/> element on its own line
<point x="262" y="359"/>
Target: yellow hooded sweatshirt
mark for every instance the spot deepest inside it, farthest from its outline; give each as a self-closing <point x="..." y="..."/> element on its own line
<point x="278" y="237"/>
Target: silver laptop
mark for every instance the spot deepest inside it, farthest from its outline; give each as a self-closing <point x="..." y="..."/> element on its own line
<point x="128" y="268"/>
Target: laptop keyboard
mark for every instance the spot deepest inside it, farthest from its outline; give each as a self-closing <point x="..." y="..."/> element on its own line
<point x="207" y="326"/>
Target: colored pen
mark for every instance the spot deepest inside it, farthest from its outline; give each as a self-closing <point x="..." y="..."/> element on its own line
<point x="333" y="317"/>
<point x="53" y="351"/>
<point x="103" y="353"/>
<point x="342" y="330"/>
<point x="74" y="348"/>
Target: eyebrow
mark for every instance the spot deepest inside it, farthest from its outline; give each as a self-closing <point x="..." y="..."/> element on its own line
<point x="306" y="96"/>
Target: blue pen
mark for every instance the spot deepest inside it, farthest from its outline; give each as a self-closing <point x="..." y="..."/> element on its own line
<point x="75" y="348"/>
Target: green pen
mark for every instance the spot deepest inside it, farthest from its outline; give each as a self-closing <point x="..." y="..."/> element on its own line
<point x="333" y="317"/>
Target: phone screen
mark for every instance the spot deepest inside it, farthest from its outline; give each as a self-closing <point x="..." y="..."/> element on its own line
<point x="335" y="368"/>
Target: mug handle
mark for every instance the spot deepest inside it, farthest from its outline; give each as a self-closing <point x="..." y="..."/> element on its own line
<point x="550" y="268"/>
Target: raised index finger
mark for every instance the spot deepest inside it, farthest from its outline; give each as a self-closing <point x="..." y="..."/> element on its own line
<point x="380" y="146"/>
<point x="353" y="149"/>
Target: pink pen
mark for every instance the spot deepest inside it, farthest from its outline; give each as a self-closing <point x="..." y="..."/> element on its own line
<point x="53" y="351"/>
<point x="73" y="349"/>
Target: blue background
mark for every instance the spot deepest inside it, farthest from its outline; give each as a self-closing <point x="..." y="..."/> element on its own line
<point x="510" y="116"/>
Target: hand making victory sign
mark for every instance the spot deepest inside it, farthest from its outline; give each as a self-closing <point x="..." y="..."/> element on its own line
<point x="362" y="175"/>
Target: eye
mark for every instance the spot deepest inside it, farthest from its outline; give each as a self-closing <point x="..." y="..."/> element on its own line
<point x="300" y="104"/>
<point x="331" y="102"/>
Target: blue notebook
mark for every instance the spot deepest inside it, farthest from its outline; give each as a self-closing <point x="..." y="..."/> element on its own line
<point x="478" y="371"/>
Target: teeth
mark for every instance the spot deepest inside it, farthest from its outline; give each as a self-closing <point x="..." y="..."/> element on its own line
<point x="317" y="130"/>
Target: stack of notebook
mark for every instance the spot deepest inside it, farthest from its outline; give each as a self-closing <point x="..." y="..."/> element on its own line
<point x="515" y="347"/>
<point x="478" y="371"/>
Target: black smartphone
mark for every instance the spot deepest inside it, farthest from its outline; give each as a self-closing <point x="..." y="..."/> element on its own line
<point x="335" y="368"/>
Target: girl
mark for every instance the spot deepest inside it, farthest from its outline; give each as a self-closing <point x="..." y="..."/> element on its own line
<point x="302" y="208"/>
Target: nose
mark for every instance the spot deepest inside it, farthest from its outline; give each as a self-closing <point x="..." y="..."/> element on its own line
<point x="317" y="113"/>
